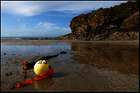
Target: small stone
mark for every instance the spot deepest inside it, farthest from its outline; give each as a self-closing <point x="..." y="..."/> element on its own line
<point x="63" y="52"/>
<point x="9" y="74"/>
<point x="13" y="87"/>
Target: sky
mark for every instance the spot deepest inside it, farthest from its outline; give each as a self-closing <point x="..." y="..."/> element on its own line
<point x="44" y="18"/>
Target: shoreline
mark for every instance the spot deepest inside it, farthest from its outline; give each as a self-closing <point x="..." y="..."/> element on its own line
<point x="39" y="42"/>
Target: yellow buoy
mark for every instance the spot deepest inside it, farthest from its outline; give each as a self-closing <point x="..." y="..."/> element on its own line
<point x="41" y="66"/>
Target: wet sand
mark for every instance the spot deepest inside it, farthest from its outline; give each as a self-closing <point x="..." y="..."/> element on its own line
<point x="42" y="42"/>
<point x="87" y="66"/>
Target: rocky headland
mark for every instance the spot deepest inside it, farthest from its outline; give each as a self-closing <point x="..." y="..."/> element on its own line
<point x="120" y="22"/>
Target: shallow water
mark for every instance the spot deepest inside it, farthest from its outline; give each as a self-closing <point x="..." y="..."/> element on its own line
<point x="87" y="66"/>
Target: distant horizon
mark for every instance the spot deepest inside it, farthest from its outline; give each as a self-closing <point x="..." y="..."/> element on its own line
<point x="33" y="36"/>
<point x="28" y="36"/>
<point x="44" y="18"/>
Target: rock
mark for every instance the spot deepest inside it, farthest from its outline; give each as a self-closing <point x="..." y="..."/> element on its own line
<point x="8" y="74"/>
<point x="63" y="52"/>
<point x="120" y="22"/>
<point x="131" y="23"/>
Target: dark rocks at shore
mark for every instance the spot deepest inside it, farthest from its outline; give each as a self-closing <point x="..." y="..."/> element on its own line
<point x="120" y="22"/>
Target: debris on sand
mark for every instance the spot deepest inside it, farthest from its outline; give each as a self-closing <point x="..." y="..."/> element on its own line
<point x="29" y="65"/>
<point x="4" y="53"/>
<point x="63" y="52"/>
<point x="8" y="74"/>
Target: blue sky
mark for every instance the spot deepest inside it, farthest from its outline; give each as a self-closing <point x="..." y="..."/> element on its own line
<point x="44" y="18"/>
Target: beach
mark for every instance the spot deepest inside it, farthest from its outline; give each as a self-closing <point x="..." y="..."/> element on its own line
<point x="86" y="66"/>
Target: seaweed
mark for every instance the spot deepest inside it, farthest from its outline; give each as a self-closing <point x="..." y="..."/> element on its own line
<point x="29" y="65"/>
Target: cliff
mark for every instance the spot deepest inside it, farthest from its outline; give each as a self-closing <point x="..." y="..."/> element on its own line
<point x="120" y="22"/>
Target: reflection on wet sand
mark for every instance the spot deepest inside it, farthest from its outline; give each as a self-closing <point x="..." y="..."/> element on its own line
<point x="43" y="84"/>
<point x="59" y="74"/>
<point x="122" y="58"/>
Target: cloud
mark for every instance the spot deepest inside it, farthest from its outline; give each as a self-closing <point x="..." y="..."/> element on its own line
<point x="43" y="29"/>
<point x="20" y="7"/>
<point x="51" y="29"/>
<point x="32" y="8"/>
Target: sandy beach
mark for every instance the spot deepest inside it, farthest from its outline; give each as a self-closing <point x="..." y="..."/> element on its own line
<point x="86" y="66"/>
